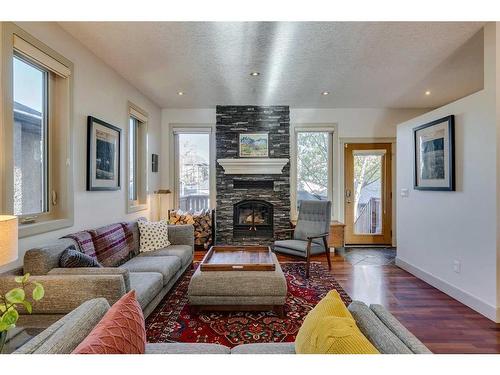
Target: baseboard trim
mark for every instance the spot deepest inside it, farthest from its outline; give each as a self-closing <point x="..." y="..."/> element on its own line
<point x="482" y="307"/>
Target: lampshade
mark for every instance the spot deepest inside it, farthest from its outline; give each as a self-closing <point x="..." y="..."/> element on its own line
<point x="163" y="191"/>
<point x="8" y="239"/>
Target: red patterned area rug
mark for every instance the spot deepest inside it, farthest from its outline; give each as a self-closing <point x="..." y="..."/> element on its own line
<point x="172" y="320"/>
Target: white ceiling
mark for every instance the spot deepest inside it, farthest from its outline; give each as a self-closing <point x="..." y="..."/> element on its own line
<point x="362" y="64"/>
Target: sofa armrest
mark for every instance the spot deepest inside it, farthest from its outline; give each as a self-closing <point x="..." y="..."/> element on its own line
<point x="181" y="235"/>
<point x="95" y="271"/>
<point x="64" y="293"/>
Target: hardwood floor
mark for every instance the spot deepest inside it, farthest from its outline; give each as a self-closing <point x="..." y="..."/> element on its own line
<point x="440" y="322"/>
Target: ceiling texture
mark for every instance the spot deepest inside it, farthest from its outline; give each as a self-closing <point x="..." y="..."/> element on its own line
<point x="361" y="64"/>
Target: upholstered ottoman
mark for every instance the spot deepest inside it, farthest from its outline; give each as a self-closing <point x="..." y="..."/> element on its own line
<point x="238" y="290"/>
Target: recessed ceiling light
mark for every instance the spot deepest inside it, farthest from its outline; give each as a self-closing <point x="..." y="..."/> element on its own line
<point x="255" y="74"/>
<point x="180" y="93"/>
<point x="325" y="93"/>
<point x="427" y="93"/>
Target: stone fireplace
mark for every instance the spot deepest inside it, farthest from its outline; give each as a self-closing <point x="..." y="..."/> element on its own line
<point x="253" y="195"/>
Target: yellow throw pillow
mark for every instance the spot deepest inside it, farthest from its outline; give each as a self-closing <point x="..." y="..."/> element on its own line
<point x="329" y="328"/>
<point x="332" y="305"/>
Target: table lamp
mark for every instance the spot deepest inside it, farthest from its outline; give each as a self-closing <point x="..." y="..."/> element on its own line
<point x="8" y="239"/>
<point x="161" y="192"/>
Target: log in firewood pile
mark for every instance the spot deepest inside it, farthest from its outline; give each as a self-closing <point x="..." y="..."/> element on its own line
<point x="202" y="222"/>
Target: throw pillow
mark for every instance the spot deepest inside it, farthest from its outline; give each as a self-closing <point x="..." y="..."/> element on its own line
<point x="330" y="329"/>
<point x="72" y="258"/>
<point x="153" y="235"/>
<point x="120" y="331"/>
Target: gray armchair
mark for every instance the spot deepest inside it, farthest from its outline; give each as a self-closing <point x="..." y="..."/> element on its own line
<point x="310" y="233"/>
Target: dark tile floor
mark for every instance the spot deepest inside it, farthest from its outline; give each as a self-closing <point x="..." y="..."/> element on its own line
<point x="368" y="256"/>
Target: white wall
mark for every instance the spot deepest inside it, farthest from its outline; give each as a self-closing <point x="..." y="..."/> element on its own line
<point x="352" y="123"/>
<point x="437" y="228"/>
<point x="356" y="122"/>
<point x="98" y="91"/>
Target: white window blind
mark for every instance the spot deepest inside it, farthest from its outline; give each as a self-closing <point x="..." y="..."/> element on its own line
<point x="138" y="115"/>
<point x="48" y="62"/>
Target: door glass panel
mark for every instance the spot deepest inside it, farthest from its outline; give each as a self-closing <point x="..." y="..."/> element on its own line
<point x="368" y="193"/>
<point x="194" y="171"/>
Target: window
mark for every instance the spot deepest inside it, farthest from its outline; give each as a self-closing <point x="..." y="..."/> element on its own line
<point x="137" y="159"/>
<point x="37" y="185"/>
<point x="193" y="169"/>
<point x="30" y="144"/>
<point x="132" y="154"/>
<point x="314" y="167"/>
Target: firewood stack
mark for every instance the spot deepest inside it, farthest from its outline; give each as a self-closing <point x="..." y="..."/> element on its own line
<point x="202" y="222"/>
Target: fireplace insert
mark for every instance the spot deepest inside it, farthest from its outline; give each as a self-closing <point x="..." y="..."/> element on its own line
<point x="253" y="218"/>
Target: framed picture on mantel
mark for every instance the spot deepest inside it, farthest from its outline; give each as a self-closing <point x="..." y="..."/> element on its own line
<point x="254" y="145"/>
<point x="434" y="146"/>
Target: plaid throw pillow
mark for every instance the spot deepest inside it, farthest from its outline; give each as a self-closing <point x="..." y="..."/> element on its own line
<point x="153" y="235"/>
<point x="72" y="258"/>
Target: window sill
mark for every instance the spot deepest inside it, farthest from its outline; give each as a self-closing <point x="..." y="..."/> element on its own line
<point x="27" y="230"/>
<point x="137" y="208"/>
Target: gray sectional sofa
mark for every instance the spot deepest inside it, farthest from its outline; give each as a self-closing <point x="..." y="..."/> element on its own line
<point x="151" y="274"/>
<point x="384" y="332"/>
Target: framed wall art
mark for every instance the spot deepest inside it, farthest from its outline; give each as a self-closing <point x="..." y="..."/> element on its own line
<point x="154" y="163"/>
<point x="254" y="145"/>
<point x="434" y="150"/>
<point x="103" y="155"/>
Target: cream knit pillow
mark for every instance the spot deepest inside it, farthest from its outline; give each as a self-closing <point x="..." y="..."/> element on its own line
<point x="153" y="235"/>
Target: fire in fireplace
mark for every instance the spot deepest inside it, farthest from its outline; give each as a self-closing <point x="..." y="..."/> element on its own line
<point x="253" y="218"/>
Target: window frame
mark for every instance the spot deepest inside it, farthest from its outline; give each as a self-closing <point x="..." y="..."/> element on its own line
<point x="60" y="129"/>
<point x="141" y="153"/>
<point x="176" y="129"/>
<point x="331" y="129"/>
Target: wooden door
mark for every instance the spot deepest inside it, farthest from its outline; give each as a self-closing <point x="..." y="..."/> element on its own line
<point x="367" y="194"/>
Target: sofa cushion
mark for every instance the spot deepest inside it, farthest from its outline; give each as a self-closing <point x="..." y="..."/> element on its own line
<point x="265" y="348"/>
<point x="167" y="266"/>
<point x="413" y="343"/>
<point x="153" y="235"/>
<point x="330" y="329"/>
<point x="72" y="258"/>
<point x="376" y="331"/>
<point x="186" y="348"/>
<point x="113" y="244"/>
<point x="147" y="285"/>
<point x="63" y="336"/>
<point x="134" y="229"/>
<point x="184" y="252"/>
<point x="120" y="331"/>
<point x="181" y="235"/>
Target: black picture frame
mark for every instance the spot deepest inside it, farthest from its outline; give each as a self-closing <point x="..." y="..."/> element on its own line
<point x="450" y="186"/>
<point x="93" y="184"/>
<point x="154" y="163"/>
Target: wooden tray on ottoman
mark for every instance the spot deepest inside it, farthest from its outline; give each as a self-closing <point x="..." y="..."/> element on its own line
<point x="238" y="258"/>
